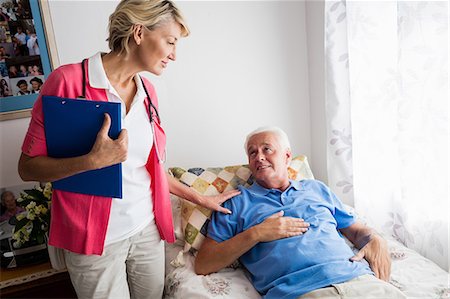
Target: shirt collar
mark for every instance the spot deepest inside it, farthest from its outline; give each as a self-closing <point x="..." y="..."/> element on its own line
<point x="98" y="78"/>
<point x="259" y="190"/>
<point x="140" y="94"/>
<point x="96" y="72"/>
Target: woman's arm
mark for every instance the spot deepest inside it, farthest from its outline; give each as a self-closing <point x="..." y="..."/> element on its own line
<point x="46" y="169"/>
<point x="209" y="202"/>
<point x="105" y="152"/>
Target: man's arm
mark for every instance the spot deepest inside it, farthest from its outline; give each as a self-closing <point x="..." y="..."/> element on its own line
<point x="372" y="247"/>
<point x="214" y="256"/>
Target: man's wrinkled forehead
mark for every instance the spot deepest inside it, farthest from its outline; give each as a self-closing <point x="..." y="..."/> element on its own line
<point x="262" y="139"/>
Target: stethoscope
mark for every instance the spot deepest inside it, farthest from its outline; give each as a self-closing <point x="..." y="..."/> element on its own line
<point x="152" y="124"/>
<point x="150" y="112"/>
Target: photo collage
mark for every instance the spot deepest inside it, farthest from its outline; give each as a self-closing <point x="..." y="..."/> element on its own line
<point x="20" y="60"/>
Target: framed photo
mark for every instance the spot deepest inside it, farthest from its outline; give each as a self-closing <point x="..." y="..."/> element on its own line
<point x="27" y="54"/>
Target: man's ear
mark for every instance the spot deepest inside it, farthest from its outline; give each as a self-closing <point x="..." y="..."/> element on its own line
<point x="288" y="156"/>
<point x="138" y="33"/>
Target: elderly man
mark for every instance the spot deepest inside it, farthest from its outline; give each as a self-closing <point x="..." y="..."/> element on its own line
<point x="9" y="202"/>
<point x="286" y="234"/>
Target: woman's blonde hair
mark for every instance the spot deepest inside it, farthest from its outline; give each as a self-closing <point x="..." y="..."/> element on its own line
<point x="149" y="13"/>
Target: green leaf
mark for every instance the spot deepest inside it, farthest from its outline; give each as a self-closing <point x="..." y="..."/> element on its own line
<point x="46" y="218"/>
<point x="40" y="238"/>
<point x="24" y="203"/>
<point x="34" y="232"/>
<point x="21" y="224"/>
<point x="36" y="194"/>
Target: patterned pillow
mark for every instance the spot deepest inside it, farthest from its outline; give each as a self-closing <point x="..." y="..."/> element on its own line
<point x="212" y="181"/>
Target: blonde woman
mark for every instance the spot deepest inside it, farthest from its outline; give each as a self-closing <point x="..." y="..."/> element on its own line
<point x="113" y="247"/>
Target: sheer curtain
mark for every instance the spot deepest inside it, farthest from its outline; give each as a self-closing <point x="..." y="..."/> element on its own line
<point x="387" y="110"/>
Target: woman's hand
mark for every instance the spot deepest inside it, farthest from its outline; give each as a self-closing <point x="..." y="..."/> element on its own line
<point x="106" y="151"/>
<point x="210" y="202"/>
<point x="214" y="202"/>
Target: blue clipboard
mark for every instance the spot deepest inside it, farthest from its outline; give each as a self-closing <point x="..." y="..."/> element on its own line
<point x="71" y="127"/>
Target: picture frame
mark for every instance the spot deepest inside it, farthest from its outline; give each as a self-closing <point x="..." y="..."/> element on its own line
<point x="24" y="65"/>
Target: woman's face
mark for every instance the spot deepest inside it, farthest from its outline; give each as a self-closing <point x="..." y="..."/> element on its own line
<point x="157" y="47"/>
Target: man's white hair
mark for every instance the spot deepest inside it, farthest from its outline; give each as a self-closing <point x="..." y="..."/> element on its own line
<point x="279" y="133"/>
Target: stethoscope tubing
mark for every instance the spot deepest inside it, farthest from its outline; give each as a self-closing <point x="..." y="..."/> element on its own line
<point x="152" y="125"/>
<point x="150" y="105"/>
<point x="161" y="161"/>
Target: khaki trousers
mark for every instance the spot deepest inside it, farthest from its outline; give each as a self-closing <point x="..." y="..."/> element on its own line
<point x="130" y="268"/>
<point x="364" y="287"/>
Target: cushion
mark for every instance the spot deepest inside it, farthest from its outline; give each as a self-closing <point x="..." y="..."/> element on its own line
<point x="215" y="180"/>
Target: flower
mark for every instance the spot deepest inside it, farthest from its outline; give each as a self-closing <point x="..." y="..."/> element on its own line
<point x="32" y="225"/>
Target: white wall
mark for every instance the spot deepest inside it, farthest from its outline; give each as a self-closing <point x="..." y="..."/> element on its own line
<point x="316" y="75"/>
<point x="11" y="136"/>
<point x="244" y="65"/>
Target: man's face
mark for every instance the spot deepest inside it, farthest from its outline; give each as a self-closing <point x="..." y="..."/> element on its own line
<point x="23" y="87"/>
<point x="10" y="201"/>
<point x="268" y="161"/>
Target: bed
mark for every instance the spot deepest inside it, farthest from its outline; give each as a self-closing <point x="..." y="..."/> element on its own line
<point x="413" y="274"/>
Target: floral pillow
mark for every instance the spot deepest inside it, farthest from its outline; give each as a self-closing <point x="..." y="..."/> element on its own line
<point x="212" y="181"/>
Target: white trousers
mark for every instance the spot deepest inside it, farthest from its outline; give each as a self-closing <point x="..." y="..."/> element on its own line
<point x="363" y="287"/>
<point x="132" y="268"/>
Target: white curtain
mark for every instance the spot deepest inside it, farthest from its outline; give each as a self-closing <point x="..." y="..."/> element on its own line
<point x="387" y="109"/>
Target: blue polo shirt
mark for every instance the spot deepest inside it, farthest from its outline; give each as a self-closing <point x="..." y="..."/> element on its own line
<point x="291" y="267"/>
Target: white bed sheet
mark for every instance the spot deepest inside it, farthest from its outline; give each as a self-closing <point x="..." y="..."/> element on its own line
<point x="414" y="275"/>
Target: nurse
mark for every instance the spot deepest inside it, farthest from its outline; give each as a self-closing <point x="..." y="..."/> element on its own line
<point x="114" y="247"/>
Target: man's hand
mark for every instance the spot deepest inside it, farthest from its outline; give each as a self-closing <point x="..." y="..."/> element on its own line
<point x="106" y="151"/>
<point x="214" y="202"/>
<point x="377" y="254"/>
<point x="278" y="227"/>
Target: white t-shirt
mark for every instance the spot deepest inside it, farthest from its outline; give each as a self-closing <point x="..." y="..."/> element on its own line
<point x="134" y="211"/>
<point x="22" y="37"/>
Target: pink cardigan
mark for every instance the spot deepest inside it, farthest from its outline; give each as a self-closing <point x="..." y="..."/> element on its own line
<point x="78" y="221"/>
